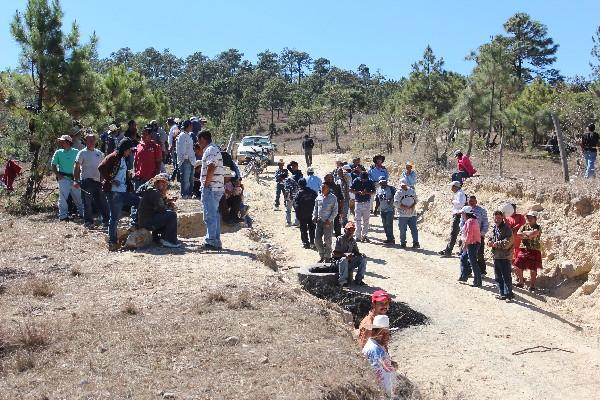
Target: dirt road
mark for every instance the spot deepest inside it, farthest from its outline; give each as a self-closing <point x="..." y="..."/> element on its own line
<point x="474" y="346"/>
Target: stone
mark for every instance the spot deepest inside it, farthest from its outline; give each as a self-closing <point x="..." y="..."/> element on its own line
<point x="168" y="395"/>
<point x="264" y="360"/>
<point x="537" y="207"/>
<point x="232" y="340"/>
<point x="347" y="317"/>
<point x="571" y="270"/>
<point x="139" y="239"/>
<point x="582" y="206"/>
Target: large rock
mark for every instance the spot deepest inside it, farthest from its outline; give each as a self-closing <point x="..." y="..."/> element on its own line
<point x="571" y="270"/>
<point x="592" y="283"/>
<point x="139" y="239"/>
<point x="309" y="279"/>
<point x="583" y="206"/>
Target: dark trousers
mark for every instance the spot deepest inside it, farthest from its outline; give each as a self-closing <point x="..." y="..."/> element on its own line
<point x="459" y="176"/>
<point x="93" y="196"/>
<point x="307" y="231"/>
<point x="175" y="174"/>
<point x="337" y="226"/>
<point x="502" y="270"/>
<point x="233" y="205"/>
<point x="116" y="202"/>
<point x="387" y="220"/>
<point x="453" y="233"/>
<point x="278" y="192"/>
<point x="308" y="157"/>
<point x="163" y="223"/>
<point x="376" y="210"/>
<point x="481" y="256"/>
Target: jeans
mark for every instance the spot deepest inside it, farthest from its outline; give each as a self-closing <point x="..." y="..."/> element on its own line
<point x="410" y="222"/>
<point x="345" y="209"/>
<point x="347" y="266"/>
<point x="212" y="218"/>
<point x="65" y="188"/>
<point x="93" y="196"/>
<point x="481" y="256"/>
<point x="468" y="261"/>
<point x="362" y="212"/>
<point x="323" y="235"/>
<point x="453" y="233"/>
<point x="308" y="157"/>
<point x="502" y="270"/>
<point x="175" y="173"/>
<point x="289" y="207"/>
<point x="590" y="163"/>
<point x="187" y="178"/>
<point x="116" y="202"/>
<point x="387" y="220"/>
<point x="307" y="231"/>
<point x="459" y="176"/>
<point x="278" y="192"/>
<point x="165" y="224"/>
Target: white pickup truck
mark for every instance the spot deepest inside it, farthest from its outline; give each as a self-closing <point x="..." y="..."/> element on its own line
<point x="251" y="146"/>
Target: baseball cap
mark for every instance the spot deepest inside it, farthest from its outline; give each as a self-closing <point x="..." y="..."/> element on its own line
<point x="467" y="210"/>
<point x="380" y="322"/>
<point x="65" y="138"/>
<point x="455" y="183"/>
<point x="403" y="182"/>
<point x="380" y="295"/>
<point x="310" y="169"/>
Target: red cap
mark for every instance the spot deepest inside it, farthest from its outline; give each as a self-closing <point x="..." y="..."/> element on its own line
<point x="380" y="295"/>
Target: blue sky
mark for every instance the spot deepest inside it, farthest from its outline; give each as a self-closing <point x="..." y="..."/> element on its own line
<point x="386" y="35"/>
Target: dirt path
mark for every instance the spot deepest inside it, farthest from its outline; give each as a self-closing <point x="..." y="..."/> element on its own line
<point x="468" y="348"/>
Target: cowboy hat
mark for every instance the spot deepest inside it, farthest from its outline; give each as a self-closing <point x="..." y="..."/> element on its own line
<point x="382" y="157"/>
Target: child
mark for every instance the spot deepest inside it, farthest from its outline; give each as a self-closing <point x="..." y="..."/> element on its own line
<point x="530" y="254"/>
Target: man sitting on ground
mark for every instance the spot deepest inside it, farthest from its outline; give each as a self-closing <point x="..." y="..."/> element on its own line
<point x="349" y="258"/>
<point x="156" y="211"/>
<point x="464" y="167"/>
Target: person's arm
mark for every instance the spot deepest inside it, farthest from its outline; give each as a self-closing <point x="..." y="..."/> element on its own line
<point x="76" y="174"/>
<point x="316" y="212"/>
<point x="158" y="159"/>
<point x="334" y="212"/>
<point x="504" y="243"/>
<point x="337" y="252"/>
<point x="520" y="232"/>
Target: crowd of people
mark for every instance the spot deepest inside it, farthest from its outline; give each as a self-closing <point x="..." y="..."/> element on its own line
<point x="126" y="171"/>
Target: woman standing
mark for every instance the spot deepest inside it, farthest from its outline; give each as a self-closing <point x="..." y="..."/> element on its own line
<point x="530" y="254"/>
<point x="515" y="221"/>
<point x="471" y="240"/>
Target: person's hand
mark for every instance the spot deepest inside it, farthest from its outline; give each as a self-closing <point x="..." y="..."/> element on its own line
<point x="76" y="185"/>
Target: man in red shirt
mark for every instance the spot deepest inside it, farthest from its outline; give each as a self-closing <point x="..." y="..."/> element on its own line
<point x="464" y="166"/>
<point x="148" y="157"/>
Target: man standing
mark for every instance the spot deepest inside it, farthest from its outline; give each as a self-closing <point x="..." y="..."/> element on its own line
<point x="307" y="146"/>
<point x="304" y="204"/>
<point x="484" y="225"/>
<point x="349" y="258"/>
<point x="293" y="168"/>
<point x="110" y="139"/>
<point x="147" y="159"/>
<point x="501" y="243"/>
<point x="343" y="180"/>
<point x="385" y="195"/>
<point x="186" y="159"/>
<point x="212" y="189"/>
<point x="313" y="181"/>
<point x="280" y="176"/>
<point x="63" y="164"/>
<point x="376" y="172"/>
<point x="405" y="202"/>
<point x="325" y="211"/>
<point x="290" y="191"/>
<point x="172" y="144"/>
<point x="88" y="177"/>
<point x="458" y="202"/>
<point x="589" y="144"/>
<point x="410" y="175"/>
<point x="363" y="188"/>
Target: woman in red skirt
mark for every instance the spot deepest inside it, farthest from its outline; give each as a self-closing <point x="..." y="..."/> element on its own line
<point x="515" y="221"/>
<point x="530" y="251"/>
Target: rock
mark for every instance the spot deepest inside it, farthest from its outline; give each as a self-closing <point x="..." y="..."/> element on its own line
<point x="347" y="317"/>
<point x="139" y="239"/>
<point x="592" y="283"/>
<point x="582" y="206"/>
<point x="309" y="279"/>
<point x="264" y="360"/>
<point x="570" y="270"/>
<point x="232" y="340"/>
<point x="431" y="198"/>
<point x="168" y="395"/>
<point x="537" y="207"/>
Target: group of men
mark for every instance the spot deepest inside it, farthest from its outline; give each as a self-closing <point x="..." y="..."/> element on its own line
<point x="131" y="176"/>
<point x="322" y="208"/>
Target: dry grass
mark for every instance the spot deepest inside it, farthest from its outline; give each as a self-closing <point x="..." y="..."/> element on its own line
<point x="76" y="271"/>
<point x="215" y="297"/>
<point x="242" y="301"/>
<point x="267" y="258"/>
<point x="351" y="391"/>
<point x="37" y="287"/>
<point x="31" y="335"/>
<point x="24" y="361"/>
<point x="129" y="308"/>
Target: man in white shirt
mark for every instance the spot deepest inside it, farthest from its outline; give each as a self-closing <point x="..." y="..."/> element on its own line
<point x="212" y="189"/>
<point x="459" y="200"/>
<point x="171" y="143"/>
<point x="186" y="158"/>
<point x="86" y="174"/>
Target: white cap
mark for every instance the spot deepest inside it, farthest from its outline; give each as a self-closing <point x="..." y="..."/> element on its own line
<point x="380" y="322"/>
<point x="403" y="182"/>
<point x="309" y="170"/>
<point x="347" y="167"/>
<point x="532" y="214"/>
<point x="112" y="127"/>
<point x="456" y="183"/>
<point x="66" y="138"/>
<point x="467" y="210"/>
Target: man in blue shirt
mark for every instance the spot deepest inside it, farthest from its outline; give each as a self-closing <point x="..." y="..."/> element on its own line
<point x="363" y="188"/>
<point x="376" y="172"/>
<point x="325" y="211"/>
<point x="313" y="181"/>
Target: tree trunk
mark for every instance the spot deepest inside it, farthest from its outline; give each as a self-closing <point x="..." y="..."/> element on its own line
<point x="337" y="137"/>
<point x="501" y="153"/>
<point x="272" y="116"/>
<point x="491" y="116"/>
<point x="561" y="147"/>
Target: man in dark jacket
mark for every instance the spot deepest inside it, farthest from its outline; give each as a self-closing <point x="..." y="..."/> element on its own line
<point x="293" y="168"/>
<point x="156" y="212"/>
<point x="337" y="191"/>
<point x="589" y="144"/>
<point x="502" y="243"/>
<point x="304" y="205"/>
<point x="280" y="176"/>
<point x="307" y="146"/>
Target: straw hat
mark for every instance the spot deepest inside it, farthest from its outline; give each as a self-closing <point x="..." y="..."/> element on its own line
<point x="380" y="322"/>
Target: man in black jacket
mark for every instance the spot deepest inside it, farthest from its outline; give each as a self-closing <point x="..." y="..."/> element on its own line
<point x="280" y="176"/>
<point x="307" y="146"/>
<point x="304" y="205"/>
<point x="293" y="168"/>
<point x="589" y="144"/>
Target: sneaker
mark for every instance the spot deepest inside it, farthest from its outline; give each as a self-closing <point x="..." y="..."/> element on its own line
<point x="207" y="246"/>
<point x="366" y="240"/>
<point x="477" y="285"/>
<point x="306" y="246"/>
<point x="171" y="245"/>
<point x="416" y="245"/>
<point x="276" y="208"/>
<point x="532" y="289"/>
<point x="312" y="246"/>
<point x="443" y="253"/>
<point x="509" y="298"/>
<point x="360" y="283"/>
<point x="462" y="279"/>
<point x="113" y="246"/>
<point x="501" y="297"/>
<point x="403" y="245"/>
<point x="66" y="219"/>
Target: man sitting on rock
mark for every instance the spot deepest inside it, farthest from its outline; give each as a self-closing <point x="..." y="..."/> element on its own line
<point x="348" y="257"/>
<point x="156" y="211"/>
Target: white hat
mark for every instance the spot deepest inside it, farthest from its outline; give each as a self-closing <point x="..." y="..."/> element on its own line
<point x="65" y="138"/>
<point x="177" y="120"/>
<point x="309" y="170"/>
<point x="347" y="167"/>
<point x="112" y="127"/>
<point x="532" y="214"/>
<point x="403" y="182"/>
<point x="456" y="183"/>
<point x="380" y="322"/>
<point x="467" y="210"/>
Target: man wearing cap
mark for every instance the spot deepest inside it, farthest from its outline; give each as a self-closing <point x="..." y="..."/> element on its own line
<point x="376" y="172"/>
<point x="484" y="225"/>
<point x="63" y="164"/>
<point x="87" y="175"/>
<point x="312" y="180"/>
<point x="156" y="212"/>
<point x="405" y="201"/>
<point x="290" y="191"/>
<point x="342" y="178"/>
<point x="172" y="145"/>
<point x="379" y="358"/>
<point x="325" y="211"/>
<point x="110" y="139"/>
<point x="501" y="242"/>
<point x="280" y="176"/>
<point x="464" y="167"/>
<point x="186" y="159"/>
<point x="385" y="195"/>
<point x="307" y="146"/>
<point x="212" y="188"/>
<point x="304" y="204"/>
<point x="409" y="175"/>
<point x="459" y="199"/>
<point x="363" y="188"/>
<point x="349" y="258"/>
<point x="380" y="304"/>
<point x="147" y="159"/>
